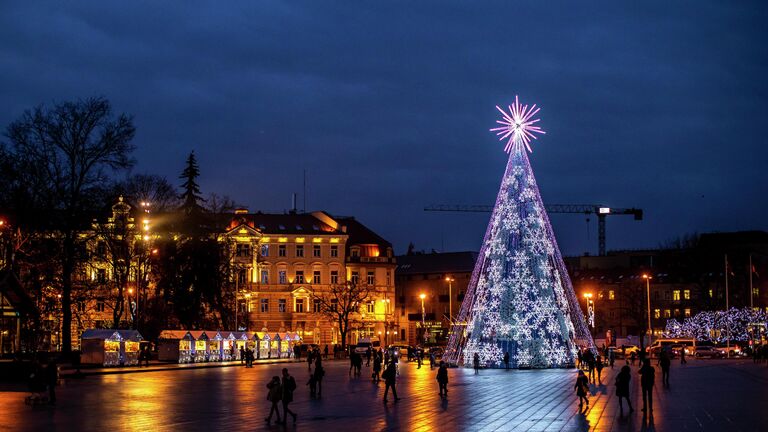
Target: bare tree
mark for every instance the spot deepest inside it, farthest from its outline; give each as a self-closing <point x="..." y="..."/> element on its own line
<point x="151" y="189"/>
<point x="66" y="153"/>
<point x="341" y="304"/>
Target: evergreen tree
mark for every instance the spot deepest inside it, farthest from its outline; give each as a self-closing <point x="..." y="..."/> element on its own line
<point x="191" y="190"/>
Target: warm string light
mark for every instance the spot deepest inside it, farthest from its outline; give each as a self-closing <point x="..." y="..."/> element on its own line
<point x="520" y="299"/>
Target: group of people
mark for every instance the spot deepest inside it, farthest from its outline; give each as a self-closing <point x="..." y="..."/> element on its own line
<point x="247" y="355"/>
<point x="44" y="377"/>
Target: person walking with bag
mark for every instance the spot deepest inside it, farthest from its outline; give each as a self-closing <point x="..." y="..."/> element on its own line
<point x="274" y="395"/>
<point x="318" y="375"/>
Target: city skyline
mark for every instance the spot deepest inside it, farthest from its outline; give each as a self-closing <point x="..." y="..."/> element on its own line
<point x="658" y="116"/>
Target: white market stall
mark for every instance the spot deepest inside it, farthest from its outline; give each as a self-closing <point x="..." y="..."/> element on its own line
<point x="110" y="347"/>
<point x="175" y="346"/>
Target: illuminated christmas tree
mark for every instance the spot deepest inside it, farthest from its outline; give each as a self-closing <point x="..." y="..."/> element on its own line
<point x="520" y="299"/>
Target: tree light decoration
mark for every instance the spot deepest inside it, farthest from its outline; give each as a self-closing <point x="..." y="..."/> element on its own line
<point x="520" y="299"/>
<point x="518" y="126"/>
<point x="716" y="326"/>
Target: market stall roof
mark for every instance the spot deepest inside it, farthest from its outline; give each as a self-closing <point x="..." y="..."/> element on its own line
<point x="110" y="334"/>
<point x="199" y="334"/>
<point x="214" y="335"/>
<point x="240" y="335"/>
<point x="175" y="334"/>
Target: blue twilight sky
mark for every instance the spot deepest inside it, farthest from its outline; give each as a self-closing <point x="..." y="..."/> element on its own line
<point x="387" y="105"/>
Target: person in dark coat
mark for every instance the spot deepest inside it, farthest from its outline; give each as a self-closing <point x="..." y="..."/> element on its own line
<point x="310" y="355"/>
<point x="274" y="395"/>
<point x="390" y="376"/>
<point x="476" y="363"/>
<point x="665" y="364"/>
<point x="582" y="388"/>
<point x="622" y="387"/>
<point x="646" y="383"/>
<point x="242" y="355"/>
<point x="599" y="367"/>
<point x="325" y="351"/>
<point x="319" y="374"/>
<point x="376" y="367"/>
<point x="288" y="385"/>
<point x="506" y="360"/>
<point x="442" y="379"/>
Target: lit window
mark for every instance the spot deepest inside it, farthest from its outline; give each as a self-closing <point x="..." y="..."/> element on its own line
<point x="281" y="250"/>
<point x="677" y="312"/>
<point x="281" y="276"/>
<point x="299" y="305"/>
<point x="687" y="294"/>
<point x="334" y="251"/>
<point x="354" y="252"/>
<point x="371" y="278"/>
<point x="265" y="250"/>
<point x="611" y="295"/>
<point x="316" y="277"/>
<point x="316" y="306"/>
<point x="355" y="277"/>
<point x="265" y="305"/>
<point x="667" y="313"/>
<point x="657" y="313"/>
<point x="711" y="293"/>
<point x="281" y="305"/>
<point x="676" y="295"/>
<point x="316" y="251"/>
<point x="334" y="276"/>
<point x="299" y="276"/>
<point x="371" y="307"/>
<point x="687" y="312"/>
<point x="265" y="276"/>
<point x="299" y="251"/>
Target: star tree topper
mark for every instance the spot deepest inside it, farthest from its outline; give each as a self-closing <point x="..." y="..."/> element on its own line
<point x="518" y="125"/>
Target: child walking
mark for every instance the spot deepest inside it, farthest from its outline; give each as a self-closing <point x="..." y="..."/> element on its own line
<point x="582" y="389"/>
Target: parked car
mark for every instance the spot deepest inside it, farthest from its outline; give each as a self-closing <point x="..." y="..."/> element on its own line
<point x="400" y="351"/>
<point x="364" y="344"/>
<point x="735" y="351"/>
<point x="627" y="350"/>
<point x="707" y="352"/>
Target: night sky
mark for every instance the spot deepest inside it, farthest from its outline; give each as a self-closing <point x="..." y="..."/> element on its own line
<point x="387" y="105"/>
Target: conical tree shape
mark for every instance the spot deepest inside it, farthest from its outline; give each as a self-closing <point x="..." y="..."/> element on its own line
<point x="520" y="299"/>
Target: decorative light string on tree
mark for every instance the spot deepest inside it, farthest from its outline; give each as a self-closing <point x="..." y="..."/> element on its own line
<point x="717" y="326"/>
<point x="520" y="299"/>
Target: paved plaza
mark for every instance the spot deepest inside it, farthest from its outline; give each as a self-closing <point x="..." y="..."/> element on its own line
<point x="716" y="395"/>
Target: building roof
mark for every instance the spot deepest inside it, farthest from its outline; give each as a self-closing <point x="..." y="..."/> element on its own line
<point x="448" y="262"/>
<point x="111" y="334"/>
<point x="361" y="234"/>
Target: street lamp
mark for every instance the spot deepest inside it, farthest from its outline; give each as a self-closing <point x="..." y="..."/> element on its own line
<point x="648" y="294"/>
<point x="590" y="309"/>
<point x="450" y="280"/>
<point x="423" y="316"/>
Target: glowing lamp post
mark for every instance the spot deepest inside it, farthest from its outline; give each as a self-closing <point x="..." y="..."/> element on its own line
<point x="590" y="309"/>
<point x="423" y="316"/>
<point x="648" y="295"/>
<point x="450" y="281"/>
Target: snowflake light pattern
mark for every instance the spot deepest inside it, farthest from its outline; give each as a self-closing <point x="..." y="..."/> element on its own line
<point x="520" y="299"/>
<point x="518" y="125"/>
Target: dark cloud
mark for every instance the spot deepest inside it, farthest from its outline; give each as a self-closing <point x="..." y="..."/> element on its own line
<point x="386" y="105"/>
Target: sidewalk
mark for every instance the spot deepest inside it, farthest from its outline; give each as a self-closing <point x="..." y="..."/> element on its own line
<point x="68" y="371"/>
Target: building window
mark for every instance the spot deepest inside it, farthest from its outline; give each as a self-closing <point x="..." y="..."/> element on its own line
<point x="667" y="313"/>
<point x="281" y="277"/>
<point x="334" y="276"/>
<point x="101" y="249"/>
<point x="687" y="294"/>
<point x="265" y="305"/>
<point x="334" y="251"/>
<point x="316" y="306"/>
<point x="299" y="276"/>
<point x="101" y="276"/>
<point x="711" y="293"/>
<point x="334" y="304"/>
<point x="281" y="305"/>
<point x="265" y="250"/>
<point x="281" y="250"/>
<point x="300" y="251"/>
<point x="611" y="295"/>
<point x="243" y="250"/>
<point x="81" y="306"/>
<point x="371" y="278"/>
<point x="687" y="312"/>
<point x="389" y="278"/>
<point x="299" y="305"/>
<point x="676" y="295"/>
<point x="355" y="277"/>
<point x="677" y="312"/>
<point x="657" y="313"/>
<point x="371" y="307"/>
<point x="100" y="306"/>
<point x="316" y="251"/>
<point x="316" y="277"/>
<point x="265" y="276"/>
<point x="354" y="252"/>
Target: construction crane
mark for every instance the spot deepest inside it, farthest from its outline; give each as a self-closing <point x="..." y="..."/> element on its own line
<point x="600" y="210"/>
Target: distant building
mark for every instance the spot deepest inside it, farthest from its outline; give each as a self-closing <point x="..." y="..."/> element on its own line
<point x="443" y="279"/>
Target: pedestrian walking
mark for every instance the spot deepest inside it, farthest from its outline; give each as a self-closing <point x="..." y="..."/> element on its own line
<point x="242" y="355"/>
<point x="274" y="395"/>
<point x="599" y="367"/>
<point x="325" y="351"/>
<point x="319" y="374"/>
<point x="506" y="359"/>
<point x="476" y="363"/>
<point x="297" y="352"/>
<point x="368" y="353"/>
<point x="442" y="379"/>
<point x="648" y="376"/>
<point x="358" y="364"/>
<point x="432" y="359"/>
<point x="390" y="376"/>
<point x="418" y="359"/>
<point x="682" y="356"/>
<point x="665" y="363"/>
<point x="582" y="388"/>
<point x="51" y="379"/>
<point x="309" y="359"/>
<point x="632" y="357"/>
<point x="376" y="368"/>
<point x="312" y="383"/>
<point x="352" y="355"/>
<point x="288" y="385"/>
<point x="611" y="357"/>
<point x="622" y="387"/>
